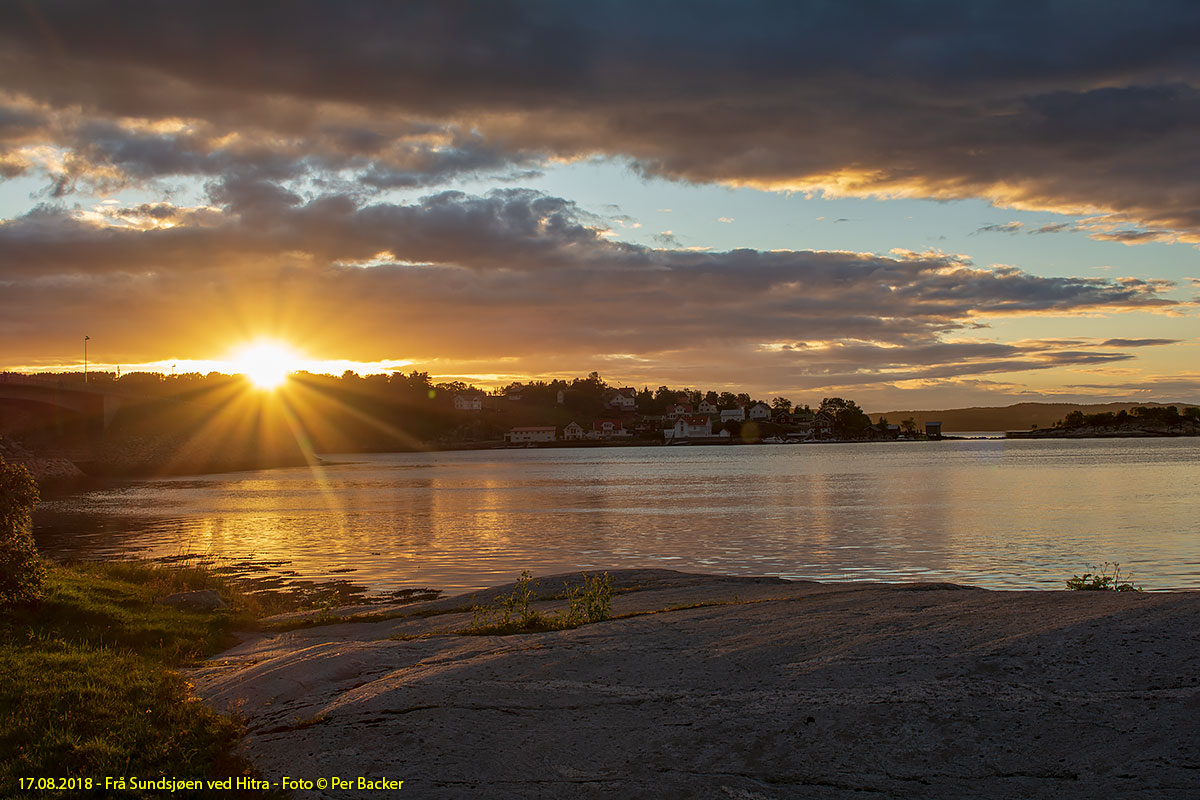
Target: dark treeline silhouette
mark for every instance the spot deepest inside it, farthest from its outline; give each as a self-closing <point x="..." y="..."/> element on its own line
<point x="1139" y="417"/>
<point x="192" y="422"/>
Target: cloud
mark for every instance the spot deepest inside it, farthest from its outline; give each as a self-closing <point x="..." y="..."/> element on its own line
<point x="1008" y="227"/>
<point x="517" y="275"/>
<point x="1135" y="236"/>
<point x="1053" y="227"/>
<point x="667" y="239"/>
<point x="927" y="101"/>
<point x="1178" y="388"/>
<point x="1136" y="342"/>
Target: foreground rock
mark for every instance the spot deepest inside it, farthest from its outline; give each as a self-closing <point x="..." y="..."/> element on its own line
<point x="202" y="600"/>
<point x="784" y="689"/>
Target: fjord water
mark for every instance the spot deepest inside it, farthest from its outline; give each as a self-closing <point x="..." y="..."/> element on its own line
<point x="993" y="513"/>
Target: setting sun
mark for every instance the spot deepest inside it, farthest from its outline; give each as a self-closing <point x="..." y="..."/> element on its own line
<point x="265" y="364"/>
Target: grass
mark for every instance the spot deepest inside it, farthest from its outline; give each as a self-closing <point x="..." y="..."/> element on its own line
<point x="328" y="617"/>
<point x="1107" y="577"/>
<point x="88" y="680"/>
<point x="588" y="602"/>
<point x="542" y="623"/>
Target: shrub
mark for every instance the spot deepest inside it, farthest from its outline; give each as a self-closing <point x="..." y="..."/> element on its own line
<point x="591" y="602"/>
<point x="1101" y="580"/>
<point x="21" y="571"/>
<point x="512" y="611"/>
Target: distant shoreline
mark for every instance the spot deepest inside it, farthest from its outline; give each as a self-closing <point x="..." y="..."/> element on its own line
<point x="61" y="473"/>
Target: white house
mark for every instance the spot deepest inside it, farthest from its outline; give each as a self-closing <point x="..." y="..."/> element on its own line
<point x="822" y="426"/>
<point x="760" y="411"/>
<point x="706" y="407"/>
<point x="624" y="399"/>
<point x="690" y="427"/>
<point x="678" y="409"/>
<point x="540" y="433"/>
<point x="737" y="412"/>
<point x="573" y="431"/>
<point x="607" y="429"/>
<point x="468" y="402"/>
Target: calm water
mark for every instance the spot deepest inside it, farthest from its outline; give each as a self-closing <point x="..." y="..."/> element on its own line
<point x="1001" y="514"/>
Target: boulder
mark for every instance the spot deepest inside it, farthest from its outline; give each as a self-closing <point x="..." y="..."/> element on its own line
<point x="203" y="600"/>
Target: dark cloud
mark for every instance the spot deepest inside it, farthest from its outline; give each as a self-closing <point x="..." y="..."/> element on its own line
<point x="1136" y="342"/>
<point x="1053" y="227"/>
<point x="1007" y="227"/>
<point x="1133" y="236"/>
<point x="1062" y="106"/>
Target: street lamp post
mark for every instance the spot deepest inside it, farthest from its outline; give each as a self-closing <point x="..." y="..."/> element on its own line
<point x="85" y="341"/>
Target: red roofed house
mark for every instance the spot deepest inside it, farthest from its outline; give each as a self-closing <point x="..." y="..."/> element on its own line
<point x="607" y="429"/>
<point x="678" y="409"/>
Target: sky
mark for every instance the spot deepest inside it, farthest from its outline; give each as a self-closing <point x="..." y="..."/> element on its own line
<point x="913" y="205"/>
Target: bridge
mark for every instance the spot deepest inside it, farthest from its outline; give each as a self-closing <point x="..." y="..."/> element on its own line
<point x="83" y="399"/>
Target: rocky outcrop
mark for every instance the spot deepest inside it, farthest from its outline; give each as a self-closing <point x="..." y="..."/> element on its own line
<point x="715" y="687"/>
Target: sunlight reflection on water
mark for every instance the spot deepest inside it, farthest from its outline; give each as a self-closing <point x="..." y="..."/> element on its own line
<point x="994" y="513"/>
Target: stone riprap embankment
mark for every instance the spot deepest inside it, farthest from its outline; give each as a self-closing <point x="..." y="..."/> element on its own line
<point x="775" y="690"/>
<point x="44" y="470"/>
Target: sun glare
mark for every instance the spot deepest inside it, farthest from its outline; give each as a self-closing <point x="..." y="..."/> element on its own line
<point x="265" y="364"/>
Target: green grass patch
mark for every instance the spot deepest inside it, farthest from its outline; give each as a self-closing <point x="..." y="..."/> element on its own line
<point x="1105" y="578"/>
<point x="88" y="680"/>
<point x="536" y="622"/>
<point x="589" y="602"/>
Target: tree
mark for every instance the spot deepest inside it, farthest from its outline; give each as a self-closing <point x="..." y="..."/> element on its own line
<point x="781" y="405"/>
<point x="849" y="420"/>
<point x="1072" y="420"/>
<point x="908" y="426"/>
<point x="728" y="400"/>
<point x="21" y="571"/>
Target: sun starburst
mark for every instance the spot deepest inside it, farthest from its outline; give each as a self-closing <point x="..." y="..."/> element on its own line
<point x="266" y="364"/>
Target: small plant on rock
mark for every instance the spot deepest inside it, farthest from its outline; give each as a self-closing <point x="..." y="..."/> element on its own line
<point x="1106" y="578"/>
<point x="512" y="612"/>
<point x="591" y="601"/>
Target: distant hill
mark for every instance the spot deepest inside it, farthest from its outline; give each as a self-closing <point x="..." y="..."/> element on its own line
<point x="1021" y="416"/>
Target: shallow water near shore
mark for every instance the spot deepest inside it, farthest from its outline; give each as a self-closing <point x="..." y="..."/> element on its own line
<point x="992" y="513"/>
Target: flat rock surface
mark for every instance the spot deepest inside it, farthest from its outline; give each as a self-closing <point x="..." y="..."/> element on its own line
<point x="772" y="689"/>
